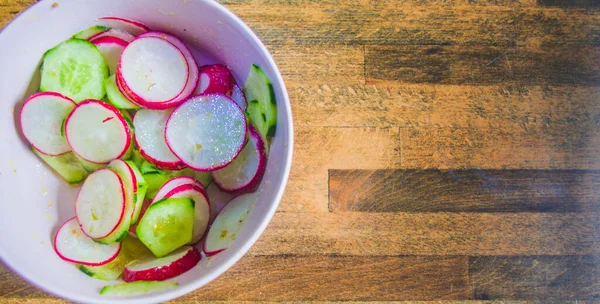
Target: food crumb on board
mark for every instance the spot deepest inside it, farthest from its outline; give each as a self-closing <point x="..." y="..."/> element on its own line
<point x="50" y="203"/>
<point x="49" y="217"/>
<point x="54" y="4"/>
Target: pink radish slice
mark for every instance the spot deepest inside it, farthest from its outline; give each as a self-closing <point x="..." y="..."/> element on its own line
<point x="111" y="48"/>
<point x="115" y="33"/>
<point x="245" y="172"/>
<point x="97" y="132"/>
<point x="201" y="207"/>
<point x="150" y="138"/>
<point x="206" y="132"/>
<point x="42" y="122"/>
<point x="172" y="184"/>
<point x="217" y="199"/>
<point x="193" y="75"/>
<point x="238" y="96"/>
<point x="123" y="90"/>
<point x="100" y="204"/>
<point x="228" y="223"/>
<point x="145" y="206"/>
<point x="160" y="269"/>
<point x="136" y="28"/>
<point x="153" y="71"/>
<point x="72" y="245"/>
<point x="215" y="78"/>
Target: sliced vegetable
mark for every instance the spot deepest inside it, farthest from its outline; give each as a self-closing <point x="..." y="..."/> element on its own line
<point x="131" y="250"/>
<point x="91" y="32"/>
<point x="201" y="207"/>
<point x="193" y="71"/>
<point x="114" y="33"/>
<point x="153" y="71"/>
<point x="136" y="288"/>
<point x="238" y="96"/>
<point x="262" y="104"/>
<point x="172" y="184"/>
<point x="66" y="165"/>
<point x="115" y="97"/>
<point x="167" y="225"/>
<point x="136" y="28"/>
<point x="89" y="166"/>
<point x="228" y="223"/>
<point x="215" y="79"/>
<point x="101" y="207"/>
<point x="172" y="265"/>
<point x="97" y="132"/>
<point x="150" y="138"/>
<point x="219" y="132"/>
<point x="245" y="172"/>
<point x="217" y="199"/>
<point x="111" y="48"/>
<point x="72" y="245"/>
<point x="129" y="179"/>
<point x="42" y="122"/>
<point x="140" y="191"/>
<point x="74" y="68"/>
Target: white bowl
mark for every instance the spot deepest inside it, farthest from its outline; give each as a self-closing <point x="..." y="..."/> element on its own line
<point x="35" y="201"/>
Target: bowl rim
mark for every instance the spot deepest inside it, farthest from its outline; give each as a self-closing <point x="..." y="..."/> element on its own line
<point x="248" y="243"/>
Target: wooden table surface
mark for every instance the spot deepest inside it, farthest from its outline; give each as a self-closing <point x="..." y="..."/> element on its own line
<point x="446" y="150"/>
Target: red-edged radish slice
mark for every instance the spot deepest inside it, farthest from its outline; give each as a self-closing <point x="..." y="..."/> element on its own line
<point x="193" y="75"/>
<point x="97" y="132"/>
<point x="111" y="48"/>
<point x="136" y="28"/>
<point x="206" y="132"/>
<point x="42" y="122"/>
<point x="228" y="223"/>
<point x="153" y="71"/>
<point x="150" y="138"/>
<point x="145" y="206"/>
<point x="245" y="172"/>
<point x="115" y="33"/>
<point x="217" y="199"/>
<point x="169" y="266"/>
<point x="124" y="90"/>
<point x="172" y="184"/>
<point x="215" y="78"/>
<point x="238" y="96"/>
<point x="130" y="185"/>
<point x="100" y="205"/>
<point x="72" y="245"/>
<point x="201" y="207"/>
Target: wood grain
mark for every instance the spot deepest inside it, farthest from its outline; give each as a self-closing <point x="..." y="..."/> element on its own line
<point x="440" y="233"/>
<point x="535" y="278"/>
<point x="464" y="191"/>
<point x="477" y="65"/>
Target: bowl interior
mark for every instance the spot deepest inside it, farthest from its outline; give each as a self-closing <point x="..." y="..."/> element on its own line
<point x="35" y="201"/>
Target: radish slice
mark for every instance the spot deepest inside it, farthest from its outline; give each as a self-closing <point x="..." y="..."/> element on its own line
<point x="172" y="184"/>
<point x="153" y="71"/>
<point x="172" y="265"/>
<point x="238" y="96"/>
<point x="115" y="33"/>
<point x="100" y="204"/>
<point x="217" y="199"/>
<point x="97" y="132"/>
<point x="245" y="172"/>
<point x="72" y="245"/>
<point x="228" y="223"/>
<point x="134" y="27"/>
<point x="42" y="121"/>
<point x="215" y="78"/>
<point x="201" y="207"/>
<point x="193" y="75"/>
<point x="206" y="132"/>
<point x="150" y="138"/>
<point x="111" y="48"/>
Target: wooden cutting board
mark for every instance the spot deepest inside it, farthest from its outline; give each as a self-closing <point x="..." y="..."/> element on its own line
<point x="446" y="150"/>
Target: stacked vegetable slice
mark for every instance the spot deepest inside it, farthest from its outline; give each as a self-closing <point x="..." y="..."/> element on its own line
<point x="143" y="203"/>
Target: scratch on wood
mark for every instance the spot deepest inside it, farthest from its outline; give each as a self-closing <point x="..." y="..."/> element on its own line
<point x="496" y="59"/>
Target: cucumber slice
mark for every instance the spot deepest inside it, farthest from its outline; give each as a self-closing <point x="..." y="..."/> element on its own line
<point x="167" y="225"/>
<point x="140" y="192"/>
<point x="91" y="31"/>
<point x="262" y="104"/>
<point x="131" y="250"/>
<point x="89" y="166"/>
<point x="136" y="157"/>
<point x="66" y="165"/>
<point x="101" y="207"/>
<point x="155" y="182"/>
<point x="74" y="68"/>
<point x="115" y="97"/>
<point x="135" y="288"/>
